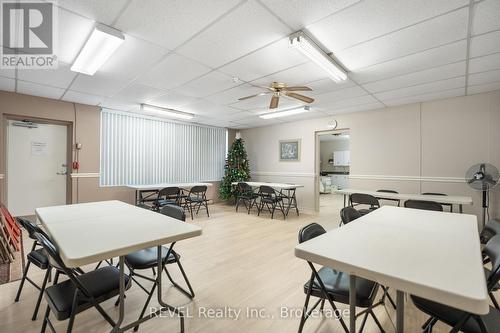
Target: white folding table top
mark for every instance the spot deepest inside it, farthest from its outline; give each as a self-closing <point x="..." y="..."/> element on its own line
<point x="430" y="254"/>
<point x="280" y="186"/>
<point x="91" y="232"/>
<point x="159" y="186"/>
<point x="450" y="199"/>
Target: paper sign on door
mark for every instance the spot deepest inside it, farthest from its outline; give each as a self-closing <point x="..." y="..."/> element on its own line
<point x="38" y="148"/>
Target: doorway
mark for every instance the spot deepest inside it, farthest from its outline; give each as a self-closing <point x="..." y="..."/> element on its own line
<point x="332" y="167"/>
<point x="36" y="170"/>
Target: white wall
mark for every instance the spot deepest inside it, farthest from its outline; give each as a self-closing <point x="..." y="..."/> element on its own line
<point x="326" y="152"/>
<point x="426" y="146"/>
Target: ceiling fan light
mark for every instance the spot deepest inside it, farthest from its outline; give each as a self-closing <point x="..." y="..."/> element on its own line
<point x="285" y="113"/>
<point x="308" y="48"/>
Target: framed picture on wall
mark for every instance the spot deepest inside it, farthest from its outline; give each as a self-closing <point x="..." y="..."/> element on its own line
<point x="290" y="150"/>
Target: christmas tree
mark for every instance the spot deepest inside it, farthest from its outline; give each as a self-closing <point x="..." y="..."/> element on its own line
<point x="236" y="169"/>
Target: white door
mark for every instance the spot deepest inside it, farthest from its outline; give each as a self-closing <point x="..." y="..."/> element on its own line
<point x="36" y="167"/>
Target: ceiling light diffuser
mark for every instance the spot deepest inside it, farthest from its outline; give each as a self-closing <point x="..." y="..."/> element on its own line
<point x="102" y="43"/>
<point x="285" y="113"/>
<point x="308" y="48"/>
<point x="166" y="112"/>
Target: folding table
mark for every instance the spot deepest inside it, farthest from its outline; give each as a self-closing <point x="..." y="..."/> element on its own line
<point x="91" y="232"/>
<point x="150" y="190"/>
<point x="433" y="255"/>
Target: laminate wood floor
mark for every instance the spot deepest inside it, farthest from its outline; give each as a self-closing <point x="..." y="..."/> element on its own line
<point x="241" y="262"/>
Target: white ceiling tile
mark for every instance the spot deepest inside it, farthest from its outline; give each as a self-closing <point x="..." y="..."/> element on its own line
<point x="73" y="33"/>
<point x="356" y="108"/>
<point x="10" y="73"/>
<point x="426" y="97"/>
<point x="255" y="121"/>
<point x="171" y="22"/>
<point x="7" y="84"/>
<point x="326" y="85"/>
<point x="270" y="59"/>
<point x="486" y="16"/>
<point x="417" y="38"/>
<point x="304" y="116"/>
<point x="60" y="77"/>
<point x="339" y="95"/>
<point x="300" y="13"/>
<point x="485" y="44"/>
<point x="208" y="108"/>
<point x="100" y="11"/>
<point x="483" y="64"/>
<point x="370" y="19"/>
<point x="119" y="104"/>
<point x="97" y="85"/>
<point x="422" y="89"/>
<point x="346" y="103"/>
<point x="485" y="77"/>
<point x="297" y="75"/>
<point x="77" y="97"/>
<point x="231" y="96"/>
<point x="425" y="76"/>
<point x="173" y="100"/>
<point x="132" y="58"/>
<point x="247" y="28"/>
<point x="173" y="71"/>
<point x="207" y="85"/>
<point x="412" y="63"/>
<point x="483" y="88"/>
<point x="139" y="93"/>
<point x="34" y="89"/>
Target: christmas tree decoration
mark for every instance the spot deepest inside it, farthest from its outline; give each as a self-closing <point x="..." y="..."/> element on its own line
<point x="237" y="169"/>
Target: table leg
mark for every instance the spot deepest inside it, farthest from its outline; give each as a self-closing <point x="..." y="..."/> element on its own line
<point x="460" y="208"/>
<point x="400" y="311"/>
<point x="121" y="309"/>
<point x="352" y="303"/>
<point x="345" y="195"/>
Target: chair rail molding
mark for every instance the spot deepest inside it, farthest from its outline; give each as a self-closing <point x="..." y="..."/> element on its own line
<point x="283" y="174"/>
<point x="410" y="178"/>
<point x="2" y="176"/>
<point x="85" y="175"/>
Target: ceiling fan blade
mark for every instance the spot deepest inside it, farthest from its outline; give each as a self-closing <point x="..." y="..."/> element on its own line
<point x="297" y="88"/>
<point x="252" y="96"/>
<point x="274" y="102"/>
<point x="300" y="97"/>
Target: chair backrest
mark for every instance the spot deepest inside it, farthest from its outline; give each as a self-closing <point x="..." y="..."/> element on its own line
<point x="364" y="199"/>
<point x="267" y="191"/>
<point x="388" y="191"/>
<point x="433" y="193"/>
<point x="349" y="214"/>
<point x="310" y="231"/>
<point x="53" y="252"/>
<point x="244" y="188"/>
<point x="425" y="205"/>
<point x="492" y="251"/>
<point x="29" y="226"/>
<point x="174" y="211"/>
<point x="199" y="190"/>
<point x="491" y="229"/>
<point x="169" y="192"/>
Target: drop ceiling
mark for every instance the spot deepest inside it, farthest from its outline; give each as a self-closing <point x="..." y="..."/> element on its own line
<point x="201" y="56"/>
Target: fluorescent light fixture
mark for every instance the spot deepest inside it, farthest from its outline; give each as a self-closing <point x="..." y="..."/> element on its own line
<point x="166" y="112"/>
<point x="102" y="43"/>
<point x="285" y="113"/>
<point x="312" y="51"/>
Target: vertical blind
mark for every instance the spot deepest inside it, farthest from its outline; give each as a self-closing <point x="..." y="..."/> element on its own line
<point x="143" y="150"/>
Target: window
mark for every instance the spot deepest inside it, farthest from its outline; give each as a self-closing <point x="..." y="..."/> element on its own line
<point x="137" y="149"/>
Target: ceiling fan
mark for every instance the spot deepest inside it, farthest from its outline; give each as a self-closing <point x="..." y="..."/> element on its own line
<point x="278" y="89"/>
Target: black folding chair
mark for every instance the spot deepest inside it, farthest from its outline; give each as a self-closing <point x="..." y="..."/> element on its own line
<point x="462" y="320"/>
<point x="425" y="205"/>
<point x="80" y="292"/>
<point x="167" y="196"/>
<point x="147" y="259"/>
<point x="389" y="191"/>
<point x="441" y="194"/>
<point x="333" y="286"/>
<point x="289" y="200"/>
<point x="197" y="198"/>
<point x="271" y="199"/>
<point x="348" y="214"/>
<point x="356" y="199"/>
<point x="246" y="194"/>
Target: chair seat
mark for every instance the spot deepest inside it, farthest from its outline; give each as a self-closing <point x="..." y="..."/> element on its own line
<point x="487" y="273"/>
<point x="38" y="258"/>
<point x="270" y="199"/>
<point x="337" y="285"/>
<point x="147" y="258"/>
<point x="195" y="199"/>
<point x="164" y="202"/>
<point x="102" y="284"/>
<point x="248" y="196"/>
<point x="452" y="316"/>
<point x="366" y="211"/>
